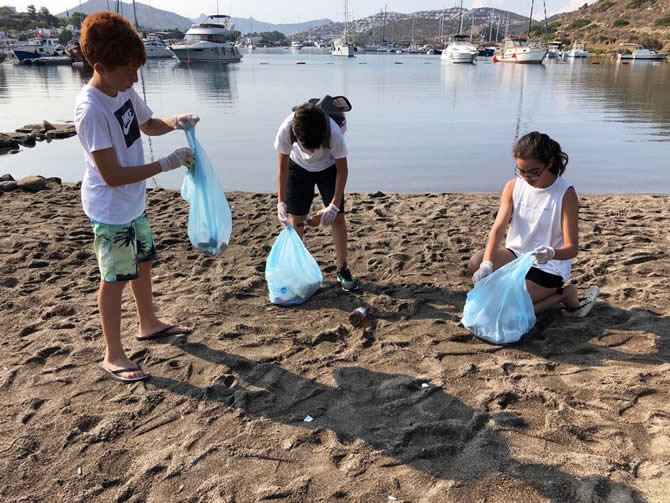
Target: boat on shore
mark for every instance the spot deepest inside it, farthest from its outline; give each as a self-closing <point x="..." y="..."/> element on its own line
<point x="517" y="50"/>
<point x="3" y="56"/>
<point x="208" y="42"/>
<point x="639" y="52"/>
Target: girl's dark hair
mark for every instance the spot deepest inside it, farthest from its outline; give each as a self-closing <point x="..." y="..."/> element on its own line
<point x="310" y="126"/>
<point x="539" y="146"/>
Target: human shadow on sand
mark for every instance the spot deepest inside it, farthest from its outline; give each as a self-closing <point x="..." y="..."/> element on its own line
<point x="392" y="302"/>
<point x="424" y="428"/>
<point x="591" y="341"/>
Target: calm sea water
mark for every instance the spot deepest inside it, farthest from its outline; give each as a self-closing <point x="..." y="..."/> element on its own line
<point x="417" y="126"/>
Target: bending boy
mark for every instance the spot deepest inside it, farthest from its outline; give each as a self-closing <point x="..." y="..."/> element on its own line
<point x="312" y="152"/>
<point x="109" y="116"/>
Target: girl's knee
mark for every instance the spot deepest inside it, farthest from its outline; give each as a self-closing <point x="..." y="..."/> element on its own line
<point x="475" y="262"/>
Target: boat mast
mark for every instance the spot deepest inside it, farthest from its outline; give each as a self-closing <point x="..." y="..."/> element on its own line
<point x="460" y="13"/>
<point x="472" y="24"/>
<point x="384" y="25"/>
<point x="346" y="29"/>
<point x="530" y="20"/>
<point x="137" y="26"/>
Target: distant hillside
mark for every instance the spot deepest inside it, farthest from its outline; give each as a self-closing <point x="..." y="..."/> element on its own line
<point x="606" y="23"/>
<point x="147" y="17"/>
<point x="151" y="17"/>
<point x="246" y="25"/>
<point x="427" y="26"/>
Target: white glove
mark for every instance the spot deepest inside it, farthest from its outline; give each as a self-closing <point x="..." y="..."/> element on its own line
<point x="328" y="215"/>
<point x="178" y="158"/>
<point x="543" y="254"/>
<point x="178" y="121"/>
<point x="282" y="213"/>
<point x="484" y="270"/>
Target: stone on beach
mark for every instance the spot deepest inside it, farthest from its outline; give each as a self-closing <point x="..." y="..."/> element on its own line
<point x="8" y="186"/>
<point x="7" y="141"/>
<point x="6" y="178"/>
<point x="32" y="183"/>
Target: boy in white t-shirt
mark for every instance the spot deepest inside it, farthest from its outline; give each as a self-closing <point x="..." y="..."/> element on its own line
<point x="312" y="152"/>
<point x="109" y="116"/>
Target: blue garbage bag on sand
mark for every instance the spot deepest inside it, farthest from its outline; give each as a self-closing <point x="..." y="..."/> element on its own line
<point x="292" y="274"/>
<point x="210" y="222"/>
<point x="499" y="308"/>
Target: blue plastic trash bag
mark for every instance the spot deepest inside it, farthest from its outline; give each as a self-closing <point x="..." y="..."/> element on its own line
<point x="292" y="274"/>
<point x="499" y="308"/>
<point x="209" y="219"/>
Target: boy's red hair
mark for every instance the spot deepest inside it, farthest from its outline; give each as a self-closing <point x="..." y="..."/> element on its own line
<point x="110" y="39"/>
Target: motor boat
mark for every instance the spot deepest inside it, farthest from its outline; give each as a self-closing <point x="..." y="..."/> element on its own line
<point x="296" y="44"/>
<point x="37" y="48"/>
<point x="554" y="49"/>
<point x="156" y="48"/>
<point x="577" y="51"/>
<point x="517" y="50"/>
<point x="640" y="53"/>
<point x="208" y="41"/>
<point x="460" y="50"/>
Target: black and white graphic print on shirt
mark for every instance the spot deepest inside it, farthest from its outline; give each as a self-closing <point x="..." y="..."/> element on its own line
<point x="128" y="122"/>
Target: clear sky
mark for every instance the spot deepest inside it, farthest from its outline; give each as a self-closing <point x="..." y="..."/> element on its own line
<point x="292" y="11"/>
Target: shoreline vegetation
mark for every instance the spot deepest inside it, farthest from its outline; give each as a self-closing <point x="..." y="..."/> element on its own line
<point x="410" y="408"/>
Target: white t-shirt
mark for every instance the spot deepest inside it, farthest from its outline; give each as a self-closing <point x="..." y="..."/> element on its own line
<point x="537" y="220"/>
<point x="111" y="122"/>
<point x="319" y="159"/>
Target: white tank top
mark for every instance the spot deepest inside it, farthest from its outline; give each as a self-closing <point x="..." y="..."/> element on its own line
<point x="537" y="221"/>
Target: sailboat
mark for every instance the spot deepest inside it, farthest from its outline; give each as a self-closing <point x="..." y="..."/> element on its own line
<point x="460" y="50"/>
<point x="342" y="46"/>
<point x="517" y="49"/>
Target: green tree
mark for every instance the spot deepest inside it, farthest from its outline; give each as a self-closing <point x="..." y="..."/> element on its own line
<point x="31" y="11"/>
<point x="77" y="18"/>
<point x="65" y="36"/>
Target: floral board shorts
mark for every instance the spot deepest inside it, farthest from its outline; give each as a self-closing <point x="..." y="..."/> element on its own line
<point x="119" y="248"/>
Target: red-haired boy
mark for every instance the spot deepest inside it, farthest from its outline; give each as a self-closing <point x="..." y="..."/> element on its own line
<point x="109" y="116"/>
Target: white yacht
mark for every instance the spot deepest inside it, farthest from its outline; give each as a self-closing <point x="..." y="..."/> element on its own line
<point x="577" y="51"/>
<point x="460" y="50"/>
<point x="517" y="50"/>
<point x="296" y="44"/>
<point x="342" y="46"/>
<point x="209" y="41"/>
<point x="640" y="53"/>
<point x="156" y="48"/>
<point x="554" y="49"/>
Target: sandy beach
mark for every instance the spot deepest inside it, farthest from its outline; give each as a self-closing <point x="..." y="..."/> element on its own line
<point x="411" y="409"/>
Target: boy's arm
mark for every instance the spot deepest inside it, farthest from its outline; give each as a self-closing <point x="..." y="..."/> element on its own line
<point x="342" y="169"/>
<point x="157" y="126"/>
<point x="114" y="176"/>
<point x="282" y="177"/>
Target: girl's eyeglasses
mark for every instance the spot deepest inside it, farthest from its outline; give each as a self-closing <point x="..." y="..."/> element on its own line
<point x="534" y="173"/>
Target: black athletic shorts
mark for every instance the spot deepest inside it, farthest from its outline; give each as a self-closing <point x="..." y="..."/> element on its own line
<point x="300" y="189"/>
<point x="543" y="278"/>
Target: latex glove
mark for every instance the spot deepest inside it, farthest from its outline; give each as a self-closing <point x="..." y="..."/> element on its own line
<point x="178" y="121"/>
<point x="282" y="213"/>
<point x="178" y="158"/>
<point x="543" y="254"/>
<point x="328" y="215"/>
<point x="484" y="270"/>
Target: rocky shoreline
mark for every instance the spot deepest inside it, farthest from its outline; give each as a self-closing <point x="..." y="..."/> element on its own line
<point x="30" y="134"/>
